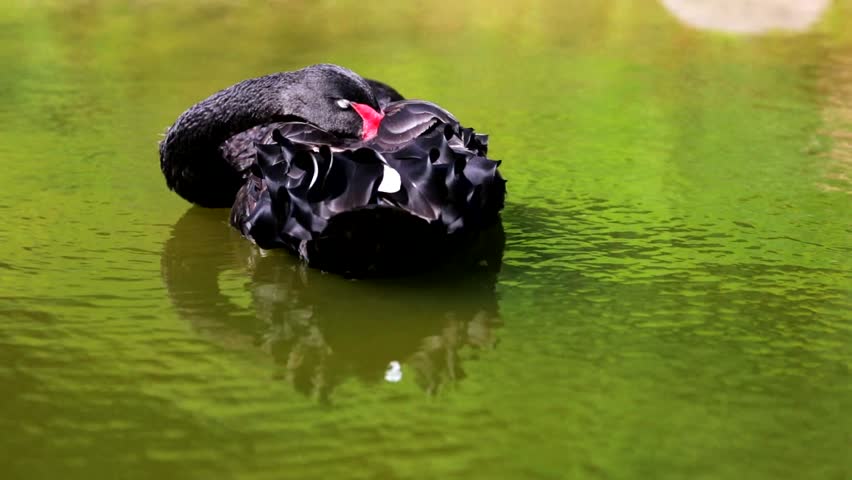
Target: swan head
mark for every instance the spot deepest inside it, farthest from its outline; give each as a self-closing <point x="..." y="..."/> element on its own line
<point x="337" y="100"/>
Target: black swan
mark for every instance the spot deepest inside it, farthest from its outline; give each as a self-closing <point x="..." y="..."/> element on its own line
<point x="337" y="168"/>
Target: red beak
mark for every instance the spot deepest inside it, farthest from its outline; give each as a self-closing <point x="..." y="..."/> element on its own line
<point x="371" y="118"/>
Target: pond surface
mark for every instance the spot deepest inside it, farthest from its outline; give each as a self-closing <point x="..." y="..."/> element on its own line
<point x="673" y="301"/>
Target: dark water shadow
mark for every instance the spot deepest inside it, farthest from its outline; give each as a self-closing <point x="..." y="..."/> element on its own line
<point x="322" y="329"/>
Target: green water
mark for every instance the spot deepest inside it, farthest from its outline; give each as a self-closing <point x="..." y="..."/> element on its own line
<point x="674" y="298"/>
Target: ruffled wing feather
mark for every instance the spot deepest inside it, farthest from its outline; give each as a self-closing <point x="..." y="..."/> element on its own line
<point x="324" y="199"/>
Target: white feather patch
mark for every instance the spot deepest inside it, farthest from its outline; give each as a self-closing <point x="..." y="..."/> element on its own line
<point x="391" y="181"/>
<point x="316" y="173"/>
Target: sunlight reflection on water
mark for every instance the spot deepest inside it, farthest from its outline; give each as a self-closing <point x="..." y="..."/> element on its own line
<point x="748" y="16"/>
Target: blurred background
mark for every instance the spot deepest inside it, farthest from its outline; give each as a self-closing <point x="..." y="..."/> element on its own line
<point x="668" y="297"/>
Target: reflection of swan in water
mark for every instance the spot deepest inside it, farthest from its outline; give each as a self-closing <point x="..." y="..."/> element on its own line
<point x="748" y="16"/>
<point x="322" y="328"/>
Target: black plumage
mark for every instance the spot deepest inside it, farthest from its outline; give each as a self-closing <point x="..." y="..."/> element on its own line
<point x="206" y="153"/>
<point x="337" y="168"/>
<point x="376" y="206"/>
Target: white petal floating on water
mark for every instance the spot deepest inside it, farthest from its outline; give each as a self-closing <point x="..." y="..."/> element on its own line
<point x="394" y="372"/>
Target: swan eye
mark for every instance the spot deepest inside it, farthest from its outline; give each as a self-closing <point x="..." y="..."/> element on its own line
<point x="343" y="103"/>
